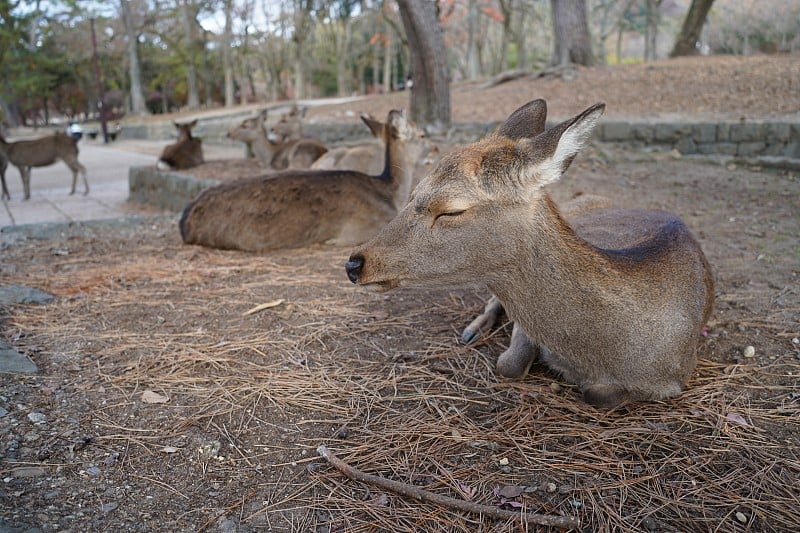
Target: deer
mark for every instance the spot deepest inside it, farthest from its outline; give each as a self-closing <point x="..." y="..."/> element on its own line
<point x="614" y="300"/>
<point x="368" y="157"/>
<point x="365" y="157"/>
<point x="277" y="155"/>
<point x="186" y="152"/>
<point x="300" y="207"/>
<point x="290" y="125"/>
<point x="42" y="152"/>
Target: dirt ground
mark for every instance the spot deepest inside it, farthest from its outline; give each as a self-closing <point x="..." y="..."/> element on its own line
<point x="188" y="389"/>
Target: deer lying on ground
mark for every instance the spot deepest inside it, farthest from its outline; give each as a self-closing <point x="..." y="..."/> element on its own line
<point x="290" y="125"/>
<point x="41" y="153"/>
<point x="278" y="155"/>
<point x="614" y="301"/>
<point x="301" y="207"/>
<point x="368" y="157"/>
<point x="365" y="157"/>
<point x="186" y="152"/>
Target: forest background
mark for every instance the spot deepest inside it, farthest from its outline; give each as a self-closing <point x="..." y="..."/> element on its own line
<point x="60" y="58"/>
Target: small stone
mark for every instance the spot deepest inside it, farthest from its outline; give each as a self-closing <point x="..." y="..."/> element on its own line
<point x="749" y="352"/>
<point x="93" y="471"/>
<point x="796" y="340"/>
<point x="555" y="387"/>
<point x="503" y="461"/>
<point x="108" y="507"/>
<point x="741" y="517"/>
<point x="551" y="487"/>
<point x="37" y="418"/>
<point x="3" y="412"/>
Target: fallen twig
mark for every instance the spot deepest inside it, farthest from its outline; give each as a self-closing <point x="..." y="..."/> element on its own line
<point x="446" y="501"/>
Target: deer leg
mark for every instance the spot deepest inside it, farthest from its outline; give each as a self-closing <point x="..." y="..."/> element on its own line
<point x="6" y="194"/>
<point x="520" y="355"/>
<point x="483" y="322"/>
<point x="25" y="173"/>
<point x="82" y="170"/>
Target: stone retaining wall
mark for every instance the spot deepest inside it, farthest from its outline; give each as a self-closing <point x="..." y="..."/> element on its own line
<point x="740" y="139"/>
<point x="752" y="140"/>
<point x="165" y="189"/>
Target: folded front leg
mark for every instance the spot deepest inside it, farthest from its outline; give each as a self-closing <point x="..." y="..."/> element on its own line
<point x="520" y="355"/>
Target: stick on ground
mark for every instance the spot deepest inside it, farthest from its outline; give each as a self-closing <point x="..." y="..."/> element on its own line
<point x="445" y="501"/>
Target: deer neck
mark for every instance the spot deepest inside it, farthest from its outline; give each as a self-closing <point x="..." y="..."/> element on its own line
<point x="554" y="278"/>
<point x="264" y="149"/>
<point x="398" y="172"/>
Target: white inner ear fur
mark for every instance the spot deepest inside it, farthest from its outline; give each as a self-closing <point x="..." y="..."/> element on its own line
<point x="570" y="143"/>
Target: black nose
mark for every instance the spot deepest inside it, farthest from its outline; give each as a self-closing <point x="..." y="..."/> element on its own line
<point x="354" y="267"/>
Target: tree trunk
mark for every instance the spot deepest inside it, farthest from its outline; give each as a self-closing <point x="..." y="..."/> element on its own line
<point x="430" y="94"/>
<point x="387" y="65"/>
<point x="571" y="33"/>
<point x="138" y="106"/>
<point x="193" y="96"/>
<point x="227" y="56"/>
<point x="472" y="39"/>
<point x="652" y="18"/>
<point x="301" y="37"/>
<point x="686" y="43"/>
<point x="342" y="37"/>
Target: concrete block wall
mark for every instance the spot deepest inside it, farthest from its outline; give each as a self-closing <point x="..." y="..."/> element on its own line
<point x="740" y="139"/>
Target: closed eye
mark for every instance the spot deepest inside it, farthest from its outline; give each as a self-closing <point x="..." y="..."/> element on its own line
<point x="449" y="214"/>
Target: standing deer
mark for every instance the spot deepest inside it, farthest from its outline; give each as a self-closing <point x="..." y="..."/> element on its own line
<point x="186" y="152"/>
<point x="278" y="155"/>
<point x="301" y="207"/>
<point x="614" y="301"/>
<point x="41" y="153"/>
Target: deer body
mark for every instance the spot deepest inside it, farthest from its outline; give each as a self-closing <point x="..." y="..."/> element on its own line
<point x="301" y="207"/>
<point x="614" y="301"/>
<point x="41" y="153"/>
<point x="186" y="152"/>
<point x="279" y="155"/>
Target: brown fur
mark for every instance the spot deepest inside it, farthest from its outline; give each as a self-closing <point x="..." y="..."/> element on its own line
<point x="290" y="125"/>
<point x="279" y="155"/>
<point x="365" y="157"/>
<point x="614" y="299"/>
<point x="187" y="151"/>
<point x="41" y="153"/>
<point x="300" y="207"/>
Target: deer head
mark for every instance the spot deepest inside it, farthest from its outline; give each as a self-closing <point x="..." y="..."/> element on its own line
<point x="466" y="221"/>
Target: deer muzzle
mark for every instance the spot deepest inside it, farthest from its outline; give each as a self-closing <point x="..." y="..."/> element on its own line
<point x="354" y="267"/>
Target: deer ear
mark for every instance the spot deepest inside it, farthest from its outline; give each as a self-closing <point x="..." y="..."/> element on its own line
<point x="374" y="125"/>
<point x="526" y="122"/>
<point x="550" y="153"/>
